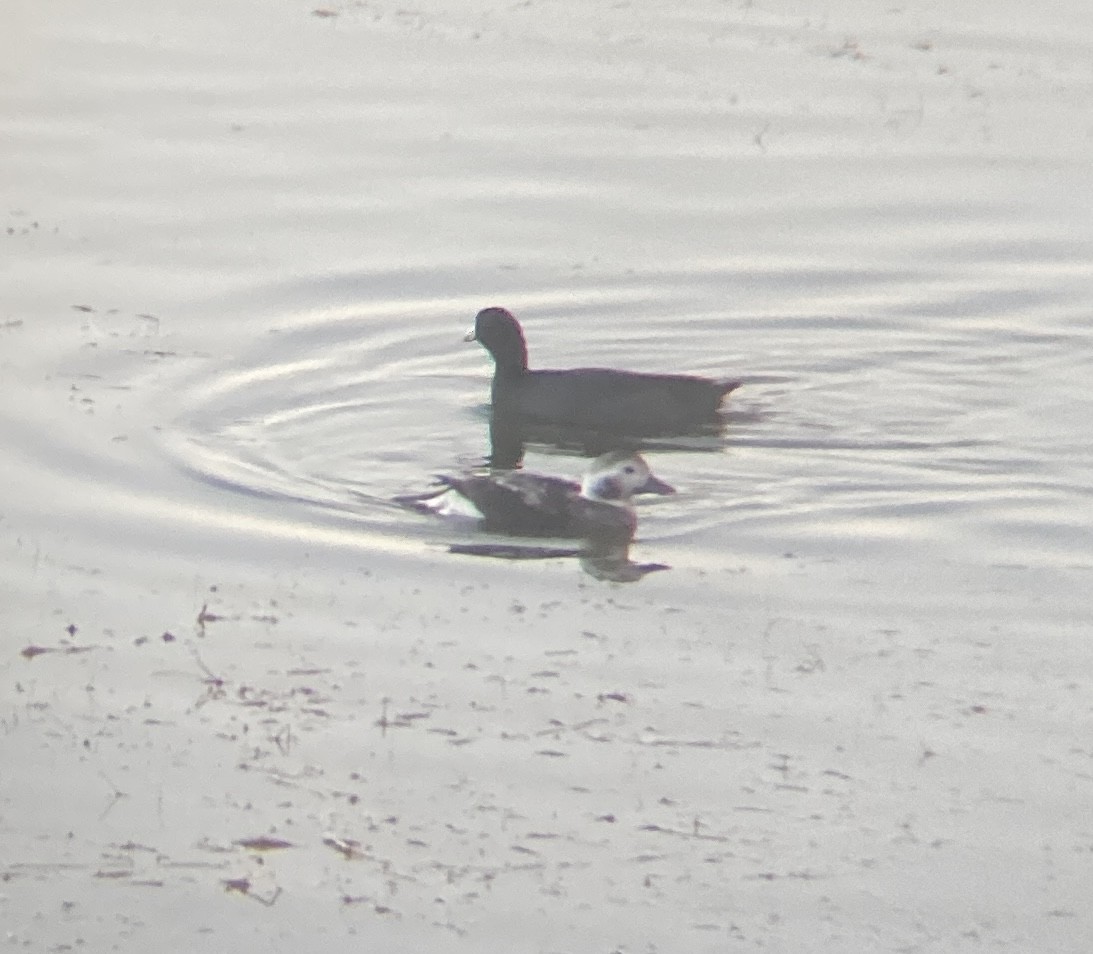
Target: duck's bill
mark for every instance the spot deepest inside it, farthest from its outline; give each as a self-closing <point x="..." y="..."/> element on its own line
<point x="470" y="336"/>
<point x="654" y="485"/>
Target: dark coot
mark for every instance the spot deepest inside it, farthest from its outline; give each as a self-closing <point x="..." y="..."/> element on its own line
<point x="604" y="399"/>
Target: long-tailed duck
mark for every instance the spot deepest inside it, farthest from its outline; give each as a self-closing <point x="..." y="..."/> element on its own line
<point x="599" y="508"/>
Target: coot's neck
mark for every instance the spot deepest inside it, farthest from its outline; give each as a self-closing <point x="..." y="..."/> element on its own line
<point x="512" y="364"/>
<point x="504" y="380"/>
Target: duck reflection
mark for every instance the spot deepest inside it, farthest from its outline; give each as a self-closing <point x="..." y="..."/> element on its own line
<point x="598" y="511"/>
<point x="603" y="561"/>
<point x="606" y="560"/>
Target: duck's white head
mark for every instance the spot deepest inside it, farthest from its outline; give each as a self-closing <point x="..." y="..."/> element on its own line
<point x="617" y="476"/>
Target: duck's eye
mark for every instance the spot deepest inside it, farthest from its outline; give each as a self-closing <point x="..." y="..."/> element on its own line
<point x="628" y="469"/>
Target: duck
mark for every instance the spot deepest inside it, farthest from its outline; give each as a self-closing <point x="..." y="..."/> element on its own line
<point x="518" y="503"/>
<point x="600" y="399"/>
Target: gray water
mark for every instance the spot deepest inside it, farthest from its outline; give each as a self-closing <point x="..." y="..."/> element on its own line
<point x="242" y="246"/>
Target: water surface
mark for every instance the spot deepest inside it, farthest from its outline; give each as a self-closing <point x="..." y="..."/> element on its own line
<point x="242" y="246"/>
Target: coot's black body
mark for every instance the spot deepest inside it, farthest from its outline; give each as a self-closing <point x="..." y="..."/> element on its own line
<point x="599" y="399"/>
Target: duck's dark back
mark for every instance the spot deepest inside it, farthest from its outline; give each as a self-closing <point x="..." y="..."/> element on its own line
<point x="520" y="503"/>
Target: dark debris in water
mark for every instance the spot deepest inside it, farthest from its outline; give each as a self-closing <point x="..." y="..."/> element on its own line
<point x="204" y="616"/>
<point x="31" y="651"/>
<point x="346" y="847"/>
<point x="264" y="843"/>
<point x="244" y="887"/>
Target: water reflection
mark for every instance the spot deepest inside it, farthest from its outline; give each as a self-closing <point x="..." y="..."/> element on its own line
<point x="605" y="560"/>
<point x="510" y="434"/>
<point x="602" y="559"/>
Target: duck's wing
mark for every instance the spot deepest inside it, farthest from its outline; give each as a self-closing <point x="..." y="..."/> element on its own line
<point x="519" y="503"/>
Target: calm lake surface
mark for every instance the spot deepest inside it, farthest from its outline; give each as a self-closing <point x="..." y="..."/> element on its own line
<point x="246" y="700"/>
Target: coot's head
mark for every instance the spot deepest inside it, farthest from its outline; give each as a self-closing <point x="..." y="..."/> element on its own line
<point x="500" y="334"/>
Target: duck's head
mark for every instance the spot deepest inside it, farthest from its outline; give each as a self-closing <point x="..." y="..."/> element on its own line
<point x="500" y="334"/>
<point x="616" y="477"/>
